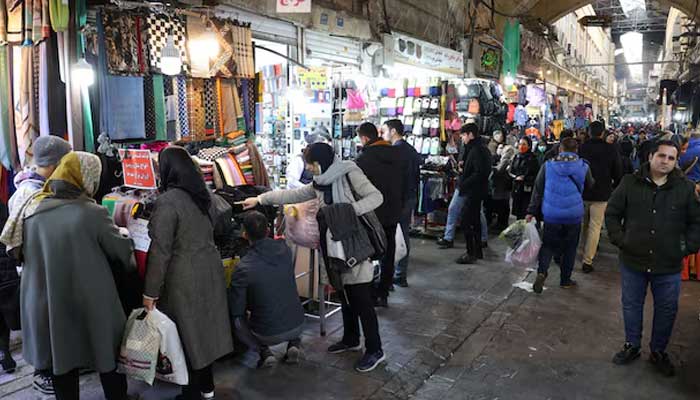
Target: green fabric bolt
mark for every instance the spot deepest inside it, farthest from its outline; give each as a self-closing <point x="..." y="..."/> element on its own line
<point x="511" y="47"/>
<point x="159" y="107"/>
<point x="59" y="12"/>
<point x="5" y="143"/>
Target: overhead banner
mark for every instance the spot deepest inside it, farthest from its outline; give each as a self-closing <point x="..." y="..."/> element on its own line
<point x="138" y="169"/>
<point x="422" y="54"/>
<point x="293" y="6"/>
<point x="489" y="65"/>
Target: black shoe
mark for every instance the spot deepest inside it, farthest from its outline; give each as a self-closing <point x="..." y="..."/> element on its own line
<point x="484" y="245"/>
<point x="539" y="283"/>
<point x="445" y="244"/>
<point x="43" y="383"/>
<point x="588" y="268"/>
<point x="568" y="285"/>
<point x="401" y="282"/>
<point x="466" y="259"/>
<point x="662" y="363"/>
<point x="628" y="354"/>
<point x="369" y="362"/>
<point x="341" y="347"/>
<point x="267" y="359"/>
<point x="381" y="302"/>
<point x="293" y="355"/>
<point x="391" y="288"/>
<point x="8" y="364"/>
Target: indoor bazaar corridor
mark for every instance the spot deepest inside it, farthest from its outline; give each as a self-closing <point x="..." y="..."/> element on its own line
<point x="464" y="332"/>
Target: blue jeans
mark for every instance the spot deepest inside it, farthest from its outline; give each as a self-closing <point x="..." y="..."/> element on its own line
<point x="454" y="212"/>
<point x="559" y="240"/>
<point x="665" y="289"/>
<point x="406" y="215"/>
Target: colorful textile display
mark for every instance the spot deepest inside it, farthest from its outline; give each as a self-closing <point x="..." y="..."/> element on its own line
<point x="59" y="14"/>
<point x="125" y="43"/>
<point x="182" y="124"/>
<point x="212" y="153"/>
<point x="159" y="27"/>
<point x="224" y="65"/>
<point x="6" y="125"/>
<point x="211" y="112"/>
<point x="243" y="51"/>
<point x="195" y="107"/>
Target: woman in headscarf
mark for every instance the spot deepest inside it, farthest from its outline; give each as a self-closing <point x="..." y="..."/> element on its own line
<point x="523" y="170"/>
<point x="71" y="314"/>
<point x="184" y="275"/>
<point x="337" y="181"/>
<point x="502" y="184"/>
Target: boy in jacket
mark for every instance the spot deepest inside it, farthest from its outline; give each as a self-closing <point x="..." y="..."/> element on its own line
<point x="653" y="217"/>
<point x="558" y="196"/>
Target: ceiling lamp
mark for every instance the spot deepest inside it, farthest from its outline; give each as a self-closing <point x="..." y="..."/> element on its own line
<point x="549" y="72"/>
<point x="170" y="62"/>
<point x="211" y="43"/>
<point x="508" y="80"/>
<point x="83" y="73"/>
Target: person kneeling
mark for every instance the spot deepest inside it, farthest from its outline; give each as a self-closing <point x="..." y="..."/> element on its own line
<point x="264" y="284"/>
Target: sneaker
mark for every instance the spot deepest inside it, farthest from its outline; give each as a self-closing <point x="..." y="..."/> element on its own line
<point x="341" y="347"/>
<point x="208" y="396"/>
<point x="401" y="282"/>
<point x="662" y="363"/>
<point x="382" y="302"/>
<point x="43" y="384"/>
<point x="628" y="354"/>
<point x="587" y="268"/>
<point x="538" y="286"/>
<point x="568" y="285"/>
<point x="466" y="259"/>
<point x="369" y="362"/>
<point x="7" y="362"/>
<point x="267" y="359"/>
<point x="293" y="355"/>
<point x="445" y="244"/>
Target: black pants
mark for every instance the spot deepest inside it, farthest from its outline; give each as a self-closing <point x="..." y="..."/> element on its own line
<point x="358" y="306"/>
<point x="243" y="333"/>
<point x="501" y="208"/>
<point x="4" y="335"/>
<point x="521" y="200"/>
<point x="471" y="223"/>
<point x="387" y="264"/>
<point x="200" y="381"/>
<point x="67" y="386"/>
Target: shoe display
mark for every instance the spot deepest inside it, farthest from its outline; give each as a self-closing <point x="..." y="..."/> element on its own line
<point x="466" y="259"/>
<point x="568" y="285"/>
<point x="7" y="362"/>
<point x="587" y="268"/>
<point x="341" y="347"/>
<point x="382" y="302"/>
<point x="293" y="355"/>
<point x="662" y="363"/>
<point x="628" y="354"/>
<point x="267" y="359"/>
<point x="43" y="384"/>
<point x="369" y="362"/>
<point x="401" y="282"/>
<point x="445" y="244"/>
<point x="538" y="286"/>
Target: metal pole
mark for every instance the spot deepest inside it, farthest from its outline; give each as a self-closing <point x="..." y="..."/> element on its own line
<point x="625" y="63"/>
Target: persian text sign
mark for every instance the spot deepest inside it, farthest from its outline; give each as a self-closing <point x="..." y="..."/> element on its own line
<point x="293" y="6"/>
<point x="427" y="55"/>
<point x="138" y="169"/>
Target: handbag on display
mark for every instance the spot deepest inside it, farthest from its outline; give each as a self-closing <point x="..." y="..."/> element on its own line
<point x="425" y="148"/>
<point x="418" y="143"/>
<point x="411" y="140"/>
<point x="408" y="123"/>
<point x="400" y="102"/>
<point x="474" y="107"/>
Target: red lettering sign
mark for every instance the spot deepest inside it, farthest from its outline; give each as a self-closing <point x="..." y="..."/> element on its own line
<point x="138" y="169"/>
<point x="293" y="6"/>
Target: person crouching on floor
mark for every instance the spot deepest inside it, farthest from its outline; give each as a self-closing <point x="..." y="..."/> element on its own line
<point x="264" y="284"/>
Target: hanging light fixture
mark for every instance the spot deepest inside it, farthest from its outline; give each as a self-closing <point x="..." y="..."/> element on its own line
<point x="508" y="80"/>
<point x="463" y="90"/>
<point x="83" y="73"/>
<point x="211" y="42"/>
<point x="170" y="62"/>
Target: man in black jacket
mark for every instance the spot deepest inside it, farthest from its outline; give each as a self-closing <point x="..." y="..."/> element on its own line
<point x="382" y="164"/>
<point x="606" y="166"/>
<point x="394" y="130"/>
<point x="264" y="284"/>
<point x="474" y="186"/>
<point x="654" y="218"/>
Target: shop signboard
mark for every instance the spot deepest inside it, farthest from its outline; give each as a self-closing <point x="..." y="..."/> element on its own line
<point x="489" y="61"/>
<point x="422" y="54"/>
<point x="138" y="169"/>
<point x="596" y="21"/>
<point x="293" y="6"/>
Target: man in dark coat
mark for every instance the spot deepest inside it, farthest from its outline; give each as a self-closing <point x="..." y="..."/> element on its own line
<point x="264" y="284"/>
<point x="474" y="185"/>
<point x="384" y="167"/>
<point x="394" y="130"/>
<point x="654" y="218"/>
<point x="606" y="167"/>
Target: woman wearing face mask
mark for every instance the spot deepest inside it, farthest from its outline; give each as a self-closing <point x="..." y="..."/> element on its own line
<point x="337" y="181"/>
<point x="523" y="170"/>
<point x="498" y="139"/>
<point x="540" y="152"/>
<point x="502" y="184"/>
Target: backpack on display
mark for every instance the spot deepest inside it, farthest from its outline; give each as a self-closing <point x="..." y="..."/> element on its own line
<point x="474" y="107"/>
<point x="427" y="123"/>
<point x="435" y="146"/>
<point x="408" y="106"/>
<point x="435" y="105"/>
<point x="425" y="104"/>
<point x="473" y="90"/>
<point x="418" y="126"/>
<point x="425" y="148"/>
<point x="408" y="124"/>
<point x="435" y="127"/>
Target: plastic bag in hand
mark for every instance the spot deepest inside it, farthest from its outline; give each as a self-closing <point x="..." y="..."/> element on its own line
<point x="526" y="253"/>
<point x="138" y="353"/>
<point x="513" y="235"/>
<point x="171" y="366"/>
<point x="302" y="226"/>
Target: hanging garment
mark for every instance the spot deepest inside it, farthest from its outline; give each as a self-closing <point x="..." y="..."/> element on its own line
<point x="25" y="114"/>
<point x="521" y="117"/>
<point x="195" y="107"/>
<point x="169" y="87"/>
<point x="41" y="21"/>
<point x="159" y="27"/>
<point x="243" y="51"/>
<point x="15" y="22"/>
<point x="183" y="124"/>
<point x="223" y="65"/>
<point x="6" y="144"/>
<point x="228" y="109"/>
<point x="125" y="43"/>
<point x="211" y="113"/>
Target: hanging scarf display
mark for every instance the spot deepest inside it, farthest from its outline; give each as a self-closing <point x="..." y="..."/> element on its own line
<point x="182" y="124"/>
<point x="15" y="22"/>
<point x="248" y="88"/>
<point x="41" y="21"/>
<point x="3" y="23"/>
<point x="224" y="65"/>
<point x="197" y="33"/>
<point x="195" y="107"/>
<point x="211" y="113"/>
<point x="169" y="87"/>
<point x="242" y="45"/>
<point x="59" y="13"/>
<point x="125" y="43"/>
<point x="228" y="109"/>
<point x="6" y="128"/>
<point x="25" y="113"/>
<point x="159" y="27"/>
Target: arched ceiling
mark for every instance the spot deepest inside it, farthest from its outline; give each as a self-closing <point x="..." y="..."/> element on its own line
<point x="548" y="11"/>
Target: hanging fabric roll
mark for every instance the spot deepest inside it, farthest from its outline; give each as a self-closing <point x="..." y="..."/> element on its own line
<point x="41" y="23"/>
<point x="195" y="107"/>
<point x="183" y="124"/>
<point x="25" y="114"/>
<point x="243" y="51"/>
<point x="125" y="43"/>
<point x="228" y="110"/>
<point x="6" y="144"/>
<point x="59" y="13"/>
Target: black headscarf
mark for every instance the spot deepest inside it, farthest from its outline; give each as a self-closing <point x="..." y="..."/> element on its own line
<point x="177" y="170"/>
<point x="324" y="155"/>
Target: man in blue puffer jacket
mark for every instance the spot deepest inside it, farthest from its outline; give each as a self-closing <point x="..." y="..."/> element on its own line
<point x="689" y="159"/>
<point x="558" y="195"/>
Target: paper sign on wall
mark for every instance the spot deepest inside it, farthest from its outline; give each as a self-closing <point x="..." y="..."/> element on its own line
<point x="138" y="229"/>
<point x="138" y="169"/>
<point x="293" y="6"/>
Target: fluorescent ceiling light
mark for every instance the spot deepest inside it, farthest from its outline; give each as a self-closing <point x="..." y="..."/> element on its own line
<point x="633" y="46"/>
<point x="633" y="7"/>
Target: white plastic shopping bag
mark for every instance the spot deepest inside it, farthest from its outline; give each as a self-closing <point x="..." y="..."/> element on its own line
<point x="528" y="248"/>
<point x="138" y="353"/>
<point x="401" y="248"/>
<point x="171" y="366"/>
